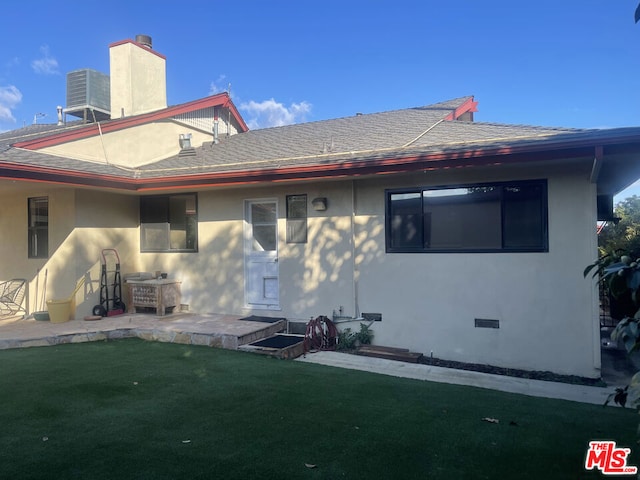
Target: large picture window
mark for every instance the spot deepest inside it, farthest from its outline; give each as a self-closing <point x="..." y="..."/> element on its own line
<point x="495" y="217"/>
<point x="169" y="223"/>
<point x="38" y="212"/>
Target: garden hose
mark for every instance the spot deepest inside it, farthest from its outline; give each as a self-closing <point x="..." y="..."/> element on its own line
<point x="321" y="334"/>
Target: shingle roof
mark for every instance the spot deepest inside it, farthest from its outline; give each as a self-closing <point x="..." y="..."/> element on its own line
<point x="360" y="137"/>
<point x="31" y="132"/>
<point x="406" y="133"/>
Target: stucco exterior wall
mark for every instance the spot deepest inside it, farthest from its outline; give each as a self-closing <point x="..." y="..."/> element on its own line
<point x="314" y="277"/>
<point x="547" y="311"/>
<point x="428" y="301"/>
<point x="138" y="80"/>
<point x="103" y="221"/>
<point x="133" y="146"/>
<point x="14" y="246"/>
<point x="81" y="224"/>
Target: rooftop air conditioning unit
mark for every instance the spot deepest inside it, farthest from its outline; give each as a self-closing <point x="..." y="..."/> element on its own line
<point x="88" y="95"/>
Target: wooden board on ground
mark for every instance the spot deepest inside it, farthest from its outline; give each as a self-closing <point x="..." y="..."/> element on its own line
<point x="390" y="353"/>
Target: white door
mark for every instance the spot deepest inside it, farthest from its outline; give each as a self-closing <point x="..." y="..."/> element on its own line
<point x="262" y="287"/>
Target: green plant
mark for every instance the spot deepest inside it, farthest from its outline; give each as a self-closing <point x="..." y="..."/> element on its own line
<point x="348" y="339"/>
<point x="620" y="274"/>
<point x="365" y="335"/>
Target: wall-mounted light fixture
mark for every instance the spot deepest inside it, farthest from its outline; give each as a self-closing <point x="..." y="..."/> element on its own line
<point x="185" y="140"/>
<point x="319" y="204"/>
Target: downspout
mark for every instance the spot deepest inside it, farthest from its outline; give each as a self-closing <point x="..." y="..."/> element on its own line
<point x="339" y="317"/>
<point x="594" y="177"/>
<point x="597" y="164"/>
<point x="215" y="126"/>
<point x="353" y="250"/>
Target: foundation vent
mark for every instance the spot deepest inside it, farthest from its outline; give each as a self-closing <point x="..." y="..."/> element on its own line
<point x="487" y="323"/>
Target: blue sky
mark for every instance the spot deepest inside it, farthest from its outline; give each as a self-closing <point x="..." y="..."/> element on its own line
<point x="549" y="62"/>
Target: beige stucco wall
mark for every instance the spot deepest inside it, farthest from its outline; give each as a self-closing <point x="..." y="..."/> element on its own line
<point x="547" y="311"/>
<point x="138" y="80"/>
<point x="14" y="246"/>
<point x="81" y="224"/>
<point x="133" y="146"/>
<point x="314" y="277"/>
<point x="103" y="221"/>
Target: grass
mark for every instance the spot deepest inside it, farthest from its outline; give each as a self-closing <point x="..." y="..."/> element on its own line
<point x="140" y="410"/>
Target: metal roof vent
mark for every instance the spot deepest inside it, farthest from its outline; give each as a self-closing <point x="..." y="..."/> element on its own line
<point x="144" y="40"/>
<point x="88" y="95"/>
<point x="186" y="150"/>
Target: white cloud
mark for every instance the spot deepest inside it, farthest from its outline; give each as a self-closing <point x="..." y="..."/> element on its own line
<point x="270" y="113"/>
<point x="46" y="64"/>
<point x="10" y="97"/>
<point x="218" y="86"/>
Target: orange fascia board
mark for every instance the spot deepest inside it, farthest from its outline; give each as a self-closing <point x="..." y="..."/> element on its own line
<point x="469" y="105"/>
<point x="219" y="100"/>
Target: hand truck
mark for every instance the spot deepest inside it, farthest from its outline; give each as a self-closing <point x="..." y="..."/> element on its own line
<point x="110" y="286"/>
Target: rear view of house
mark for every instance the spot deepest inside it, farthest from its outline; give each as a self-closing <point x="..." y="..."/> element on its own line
<point x="467" y="240"/>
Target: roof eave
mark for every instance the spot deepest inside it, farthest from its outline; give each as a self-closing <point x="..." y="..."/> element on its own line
<point x="563" y="147"/>
<point x="218" y="100"/>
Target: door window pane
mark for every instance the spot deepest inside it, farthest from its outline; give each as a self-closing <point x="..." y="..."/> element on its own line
<point x="264" y="238"/>
<point x="263" y="213"/>
<point x="264" y="226"/>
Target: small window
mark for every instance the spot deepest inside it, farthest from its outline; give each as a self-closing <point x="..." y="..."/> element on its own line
<point x="296" y="219"/>
<point x="38" y="227"/>
<point x="169" y="223"/>
<point x="493" y="217"/>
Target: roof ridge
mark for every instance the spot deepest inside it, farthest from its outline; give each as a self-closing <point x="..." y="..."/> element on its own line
<point x="434" y="106"/>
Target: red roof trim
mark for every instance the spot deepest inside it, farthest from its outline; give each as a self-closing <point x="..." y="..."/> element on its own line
<point x="146" y="49"/>
<point x="219" y="100"/>
<point x="59" y="177"/>
<point x="470" y="157"/>
<point x="349" y="169"/>
<point x="469" y="105"/>
<point x="443" y="160"/>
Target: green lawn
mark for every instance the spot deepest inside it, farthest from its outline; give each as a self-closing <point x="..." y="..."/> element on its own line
<point x="142" y="410"/>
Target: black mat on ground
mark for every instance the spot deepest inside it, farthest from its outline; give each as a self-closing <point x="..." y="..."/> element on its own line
<point x="257" y="318"/>
<point x="278" y="341"/>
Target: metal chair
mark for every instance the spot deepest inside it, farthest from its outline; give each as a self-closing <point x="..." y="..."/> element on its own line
<point x="12" y="296"/>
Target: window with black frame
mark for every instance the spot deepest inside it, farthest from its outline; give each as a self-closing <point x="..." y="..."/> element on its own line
<point x="38" y="227"/>
<point x="169" y="223"/>
<point x="492" y="217"/>
<point x="297" y="218"/>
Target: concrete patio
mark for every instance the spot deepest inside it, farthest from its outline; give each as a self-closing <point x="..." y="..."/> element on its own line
<point x="213" y="330"/>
